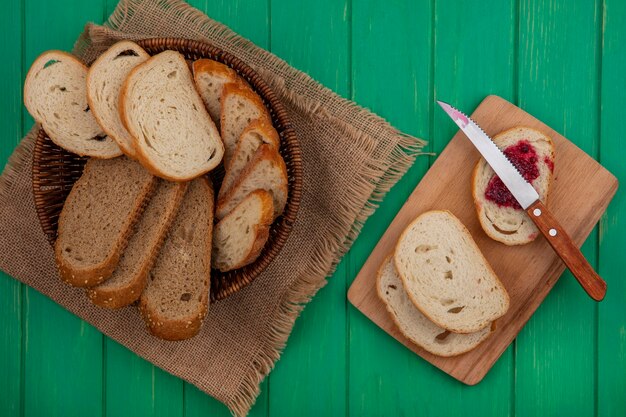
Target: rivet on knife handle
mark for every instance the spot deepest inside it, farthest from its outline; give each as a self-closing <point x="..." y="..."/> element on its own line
<point x="564" y="246"/>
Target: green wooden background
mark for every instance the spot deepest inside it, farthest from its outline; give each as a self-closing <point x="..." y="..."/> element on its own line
<point x="563" y="61"/>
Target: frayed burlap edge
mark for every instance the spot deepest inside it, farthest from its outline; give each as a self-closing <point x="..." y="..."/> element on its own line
<point x="20" y="157"/>
<point x="310" y="96"/>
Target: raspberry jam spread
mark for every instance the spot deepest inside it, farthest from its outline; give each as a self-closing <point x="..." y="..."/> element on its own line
<point x="524" y="157"/>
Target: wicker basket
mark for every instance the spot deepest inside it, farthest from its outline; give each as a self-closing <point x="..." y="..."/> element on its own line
<point x="55" y="170"/>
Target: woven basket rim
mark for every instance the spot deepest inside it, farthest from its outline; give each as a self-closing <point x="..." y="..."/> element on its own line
<point x="222" y="284"/>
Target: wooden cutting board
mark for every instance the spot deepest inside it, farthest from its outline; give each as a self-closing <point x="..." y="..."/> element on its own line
<point x="581" y="192"/>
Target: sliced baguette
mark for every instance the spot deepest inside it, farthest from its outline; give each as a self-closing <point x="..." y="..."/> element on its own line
<point x="98" y="218"/>
<point x="266" y="171"/>
<point x="446" y="276"/>
<point x="414" y="325"/>
<point x="125" y="285"/>
<point x="257" y="133"/>
<point x="174" y="136"/>
<point x="104" y="82"/>
<point x="240" y="236"/>
<point x="211" y="77"/>
<point x="176" y="298"/>
<point x="508" y="223"/>
<point x="240" y="106"/>
<point x="55" y="94"/>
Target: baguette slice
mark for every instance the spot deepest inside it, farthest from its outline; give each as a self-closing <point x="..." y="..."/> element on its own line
<point x="125" y="285"/>
<point x="414" y="325"/>
<point x="211" y="77"/>
<point x="104" y="82"/>
<point x="98" y="218"/>
<point x="176" y="298"/>
<point x="240" y="106"/>
<point x="501" y="217"/>
<point x="266" y="171"/>
<point x="174" y="136"/>
<point x="241" y="235"/>
<point x="446" y="276"/>
<point x="257" y="133"/>
<point x="55" y="94"/>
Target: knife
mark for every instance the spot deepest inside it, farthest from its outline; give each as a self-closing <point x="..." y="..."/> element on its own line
<point x="528" y="198"/>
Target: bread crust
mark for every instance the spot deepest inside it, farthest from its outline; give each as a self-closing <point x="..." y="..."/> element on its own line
<point x="264" y="152"/>
<point x="109" y="54"/>
<point x="261" y="230"/>
<point x="96" y="274"/>
<point x="39" y="64"/>
<point x="141" y="156"/>
<point x="484" y="260"/>
<point x="210" y="66"/>
<point x="121" y="297"/>
<point x="399" y="325"/>
<point x="476" y="197"/>
<point x="244" y="90"/>
<point x="190" y="325"/>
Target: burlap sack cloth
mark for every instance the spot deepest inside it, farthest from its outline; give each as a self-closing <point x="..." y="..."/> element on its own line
<point x="351" y="159"/>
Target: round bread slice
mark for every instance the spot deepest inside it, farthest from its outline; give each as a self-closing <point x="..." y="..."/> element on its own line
<point x="257" y="133"/>
<point x="55" y="94"/>
<point x="104" y="82"/>
<point x="174" y="136"/>
<point x="414" y="325"/>
<point x="127" y="282"/>
<point x="176" y="298"/>
<point x="211" y="77"/>
<point x="240" y="106"/>
<point x="446" y="276"/>
<point x="240" y="237"/>
<point x="500" y="215"/>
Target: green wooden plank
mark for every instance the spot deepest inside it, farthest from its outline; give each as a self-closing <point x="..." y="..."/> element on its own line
<point x="63" y="354"/>
<point x="385" y="378"/>
<point x="250" y="18"/>
<point x="310" y="380"/>
<point x="10" y="289"/>
<point x="558" y="83"/>
<point x="611" y="357"/>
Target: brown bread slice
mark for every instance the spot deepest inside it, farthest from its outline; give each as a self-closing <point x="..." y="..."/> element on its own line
<point x="176" y="298"/>
<point x="98" y="218"/>
<point x="125" y="285"/>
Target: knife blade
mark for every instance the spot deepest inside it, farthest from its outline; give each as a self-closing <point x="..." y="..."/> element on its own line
<point x="528" y="198"/>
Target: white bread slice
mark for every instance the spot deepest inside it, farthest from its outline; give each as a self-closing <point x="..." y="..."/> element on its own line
<point x="257" y="133"/>
<point x="104" y="82"/>
<point x="241" y="235"/>
<point x="240" y="106"/>
<point x="414" y="325"/>
<point x="173" y="134"/>
<point x="55" y="94"/>
<point x="446" y="276"/>
<point x="500" y="216"/>
<point x="176" y="298"/>
<point x="98" y="219"/>
<point x="125" y="285"/>
<point x="266" y="171"/>
<point x="211" y="77"/>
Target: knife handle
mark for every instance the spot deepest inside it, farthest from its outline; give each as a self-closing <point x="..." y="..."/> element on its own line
<point x="565" y="248"/>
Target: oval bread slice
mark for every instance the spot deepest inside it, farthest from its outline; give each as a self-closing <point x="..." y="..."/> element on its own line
<point x="104" y="82"/>
<point x="55" y="94"/>
<point x="176" y="298"/>
<point x="240" y="106"/>
<point x="414" y="325"/>
<point x="240" y="237"/>
<point x="125" y="285"/>
<point x="446" y="276"/>
<point x="174" y="136"/>
<point x="211" y="77"/>
<point x="257" y="133"/>
<point x="98" y="218"/>
<point x="507" y="224"/>
<point x="266" y="171"/>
